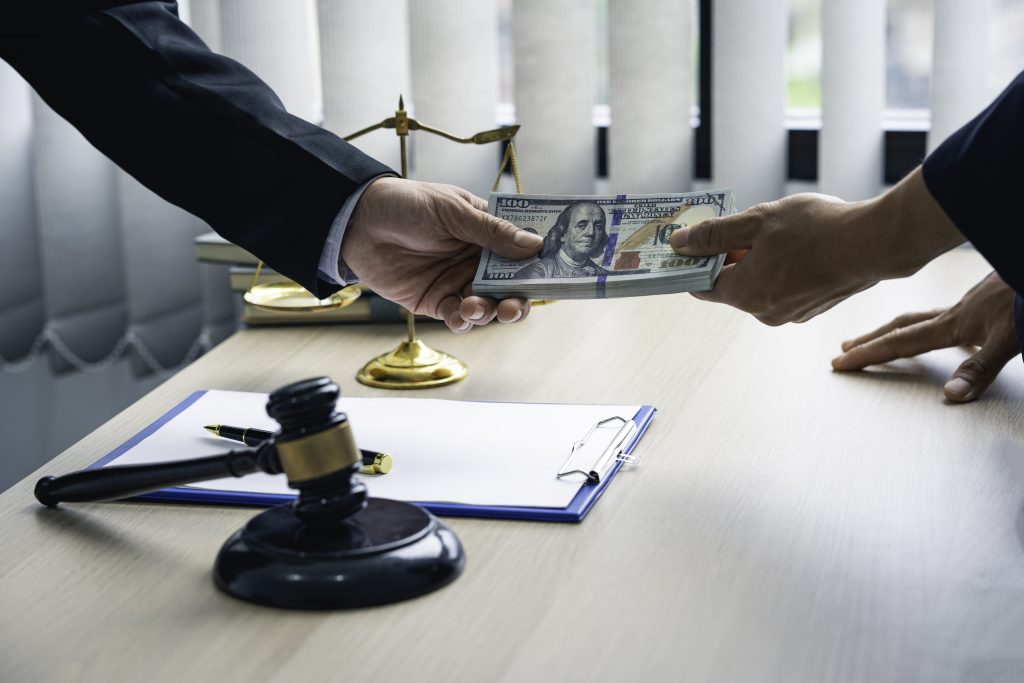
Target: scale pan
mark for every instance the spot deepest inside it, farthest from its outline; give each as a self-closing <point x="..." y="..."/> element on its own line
<point x="289" y="296"/>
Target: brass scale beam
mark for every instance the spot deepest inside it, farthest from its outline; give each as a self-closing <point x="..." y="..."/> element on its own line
<point x="413" y="364"/>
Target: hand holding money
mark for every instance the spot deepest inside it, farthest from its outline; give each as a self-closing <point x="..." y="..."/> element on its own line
<point x="417" y="245"/>
<point x="603" y="246"/>
<point x="806" y="253"/>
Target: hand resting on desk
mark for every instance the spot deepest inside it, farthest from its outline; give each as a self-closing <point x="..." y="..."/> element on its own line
<point x="982" y="318"/>
<point x="418" y="244"/>
<point x="796" y="258"/>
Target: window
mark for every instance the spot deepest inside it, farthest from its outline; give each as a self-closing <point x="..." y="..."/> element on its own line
<point x="909" y="29"/>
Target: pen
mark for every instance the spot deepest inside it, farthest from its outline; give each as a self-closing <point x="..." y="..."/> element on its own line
<point x="373" y="463"/>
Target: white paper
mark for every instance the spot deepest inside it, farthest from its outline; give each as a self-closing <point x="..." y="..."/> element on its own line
<point x="472" y="453"/>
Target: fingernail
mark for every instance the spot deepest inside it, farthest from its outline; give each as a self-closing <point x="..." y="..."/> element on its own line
<point x="837" y="362"/>
<point x="679" y="238"/>
<point x="518" y="315"/>
<point x="478" y="312"/>
<point x="523" y="238"/>
<point x="464" y="326"/>
<point x="845" y="346"/>
<point x="958" y="387"/>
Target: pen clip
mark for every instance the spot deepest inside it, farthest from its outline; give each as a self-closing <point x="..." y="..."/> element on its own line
<point x="612" y="453"/>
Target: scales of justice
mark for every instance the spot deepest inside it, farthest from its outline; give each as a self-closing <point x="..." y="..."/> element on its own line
<point x="412" y="364"/>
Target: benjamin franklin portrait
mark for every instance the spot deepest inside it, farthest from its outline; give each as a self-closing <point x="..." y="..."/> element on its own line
<point x="571" y="245"/>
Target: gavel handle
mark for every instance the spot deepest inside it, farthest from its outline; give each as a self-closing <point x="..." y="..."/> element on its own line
<point x="109" y="483"/>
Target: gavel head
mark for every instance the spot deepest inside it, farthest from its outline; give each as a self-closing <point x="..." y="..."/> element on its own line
<point x="316" y="450"/>
<point x="333" y="548"/>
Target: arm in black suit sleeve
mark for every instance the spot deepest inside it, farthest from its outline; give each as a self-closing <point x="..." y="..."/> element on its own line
<point x="977" y="176"/>
<point x="195" y="127"/>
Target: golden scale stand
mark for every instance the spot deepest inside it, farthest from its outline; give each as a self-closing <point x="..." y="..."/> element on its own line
<point x="412" y="364"/>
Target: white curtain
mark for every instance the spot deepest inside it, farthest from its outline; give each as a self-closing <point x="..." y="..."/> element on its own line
<point x="204" y="18"/>
<point x="650" y="92"/>
<point x="80" y="242"/>
<point x="554" y="48"/>
<point x="454" y="50"/>
<point x="21" y="292"/>
<point x="364" y="59"/>
<point x="276" y="39"/>
<point x="961" y="66"/>
<point x="748" y="144"/>
<point x="93" y="266"/>
<point x="163" y="293"/>
<point x="853" y="97"/>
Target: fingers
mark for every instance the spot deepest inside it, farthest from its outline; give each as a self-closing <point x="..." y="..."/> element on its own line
<point x="728" y="289"/>
<point x="478" y="310"/>
<point x="723" y="285"/>
<point x="513" y="310"/>
<point x="449" y="311"/>
<point x="478" y="203"/>
<point x="736" y="256"/>
<point x="902" y="342"/>
<point x="505" y="239"/>
<point x="719" y="235"/>
<point x="476" y="226"/>
<point x="463" y="315"/>
<point x="976" y="373"/>
<point x="904" y="320"/>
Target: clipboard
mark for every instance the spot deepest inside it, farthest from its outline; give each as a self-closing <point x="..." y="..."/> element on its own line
<point x="615" y="447"/>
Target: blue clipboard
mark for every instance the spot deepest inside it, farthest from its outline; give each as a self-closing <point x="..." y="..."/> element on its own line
<point x="574" y="512"/>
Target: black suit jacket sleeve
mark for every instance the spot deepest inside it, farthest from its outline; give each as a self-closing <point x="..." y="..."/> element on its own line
<point x="195" y="127"/>
<point x="977" y="175"/>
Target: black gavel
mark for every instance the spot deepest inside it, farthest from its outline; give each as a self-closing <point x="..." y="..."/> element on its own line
<point x="333" y="547"/>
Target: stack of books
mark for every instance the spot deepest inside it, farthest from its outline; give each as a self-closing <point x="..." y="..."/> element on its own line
<point x="369" y="307"/>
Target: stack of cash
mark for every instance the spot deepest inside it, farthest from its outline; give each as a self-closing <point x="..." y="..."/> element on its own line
<point x="603" y="246"/>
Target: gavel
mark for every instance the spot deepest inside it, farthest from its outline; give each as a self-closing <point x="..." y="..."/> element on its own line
<point x="333" y="547"/>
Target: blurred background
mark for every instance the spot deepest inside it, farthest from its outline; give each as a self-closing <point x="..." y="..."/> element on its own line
<point x="101" y="297"/>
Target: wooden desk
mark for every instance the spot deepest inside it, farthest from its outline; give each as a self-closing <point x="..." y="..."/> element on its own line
<point x="787" y="523"/>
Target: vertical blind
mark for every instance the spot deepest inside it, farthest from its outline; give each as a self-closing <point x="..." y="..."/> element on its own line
<point x="852" y="97"/>
<point x="364" y="58"/>
<point x="22" y="313"/>
<point x="650" y="92"/>
<point x="748" y="138"/>
<point x="454" y="52"/>
<point x="554" y="43"/>
<point x="82" y="267"/>
<point x="961" y="65"/>
<point x="115" y="269"/>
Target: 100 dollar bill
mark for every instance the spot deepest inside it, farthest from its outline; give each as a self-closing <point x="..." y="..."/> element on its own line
<point x="602" y="246"/>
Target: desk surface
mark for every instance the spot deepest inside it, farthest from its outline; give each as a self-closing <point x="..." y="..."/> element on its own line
<point x="787" y="523"/>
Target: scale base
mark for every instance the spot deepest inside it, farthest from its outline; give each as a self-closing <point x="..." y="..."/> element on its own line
<point x="412" y="365"/>
<point x="387" y="552"/>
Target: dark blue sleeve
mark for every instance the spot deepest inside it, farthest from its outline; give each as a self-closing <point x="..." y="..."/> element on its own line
<point x="977" y="176"/>
<point x="197" y="128"/>
<point x="1018" y="316"/>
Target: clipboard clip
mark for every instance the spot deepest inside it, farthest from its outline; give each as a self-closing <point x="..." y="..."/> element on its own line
<point x="612" y="453"/>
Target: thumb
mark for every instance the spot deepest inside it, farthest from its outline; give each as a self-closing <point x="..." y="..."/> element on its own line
<point x="500" y="236"/>
<point x="718" y="235"/>
<point x="975" y="375"/>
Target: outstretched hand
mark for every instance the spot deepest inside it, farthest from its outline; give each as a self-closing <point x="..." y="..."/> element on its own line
<point x="792" y="259"/>
<point x="418" y="244"/>
<point x="982" y="318"/>
<point x="788" y="260"/>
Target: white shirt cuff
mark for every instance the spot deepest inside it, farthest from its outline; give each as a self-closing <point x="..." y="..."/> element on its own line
<point x="332" y="269"/>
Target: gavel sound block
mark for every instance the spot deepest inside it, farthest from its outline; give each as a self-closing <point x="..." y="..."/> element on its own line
<point x="333" y="547"/>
